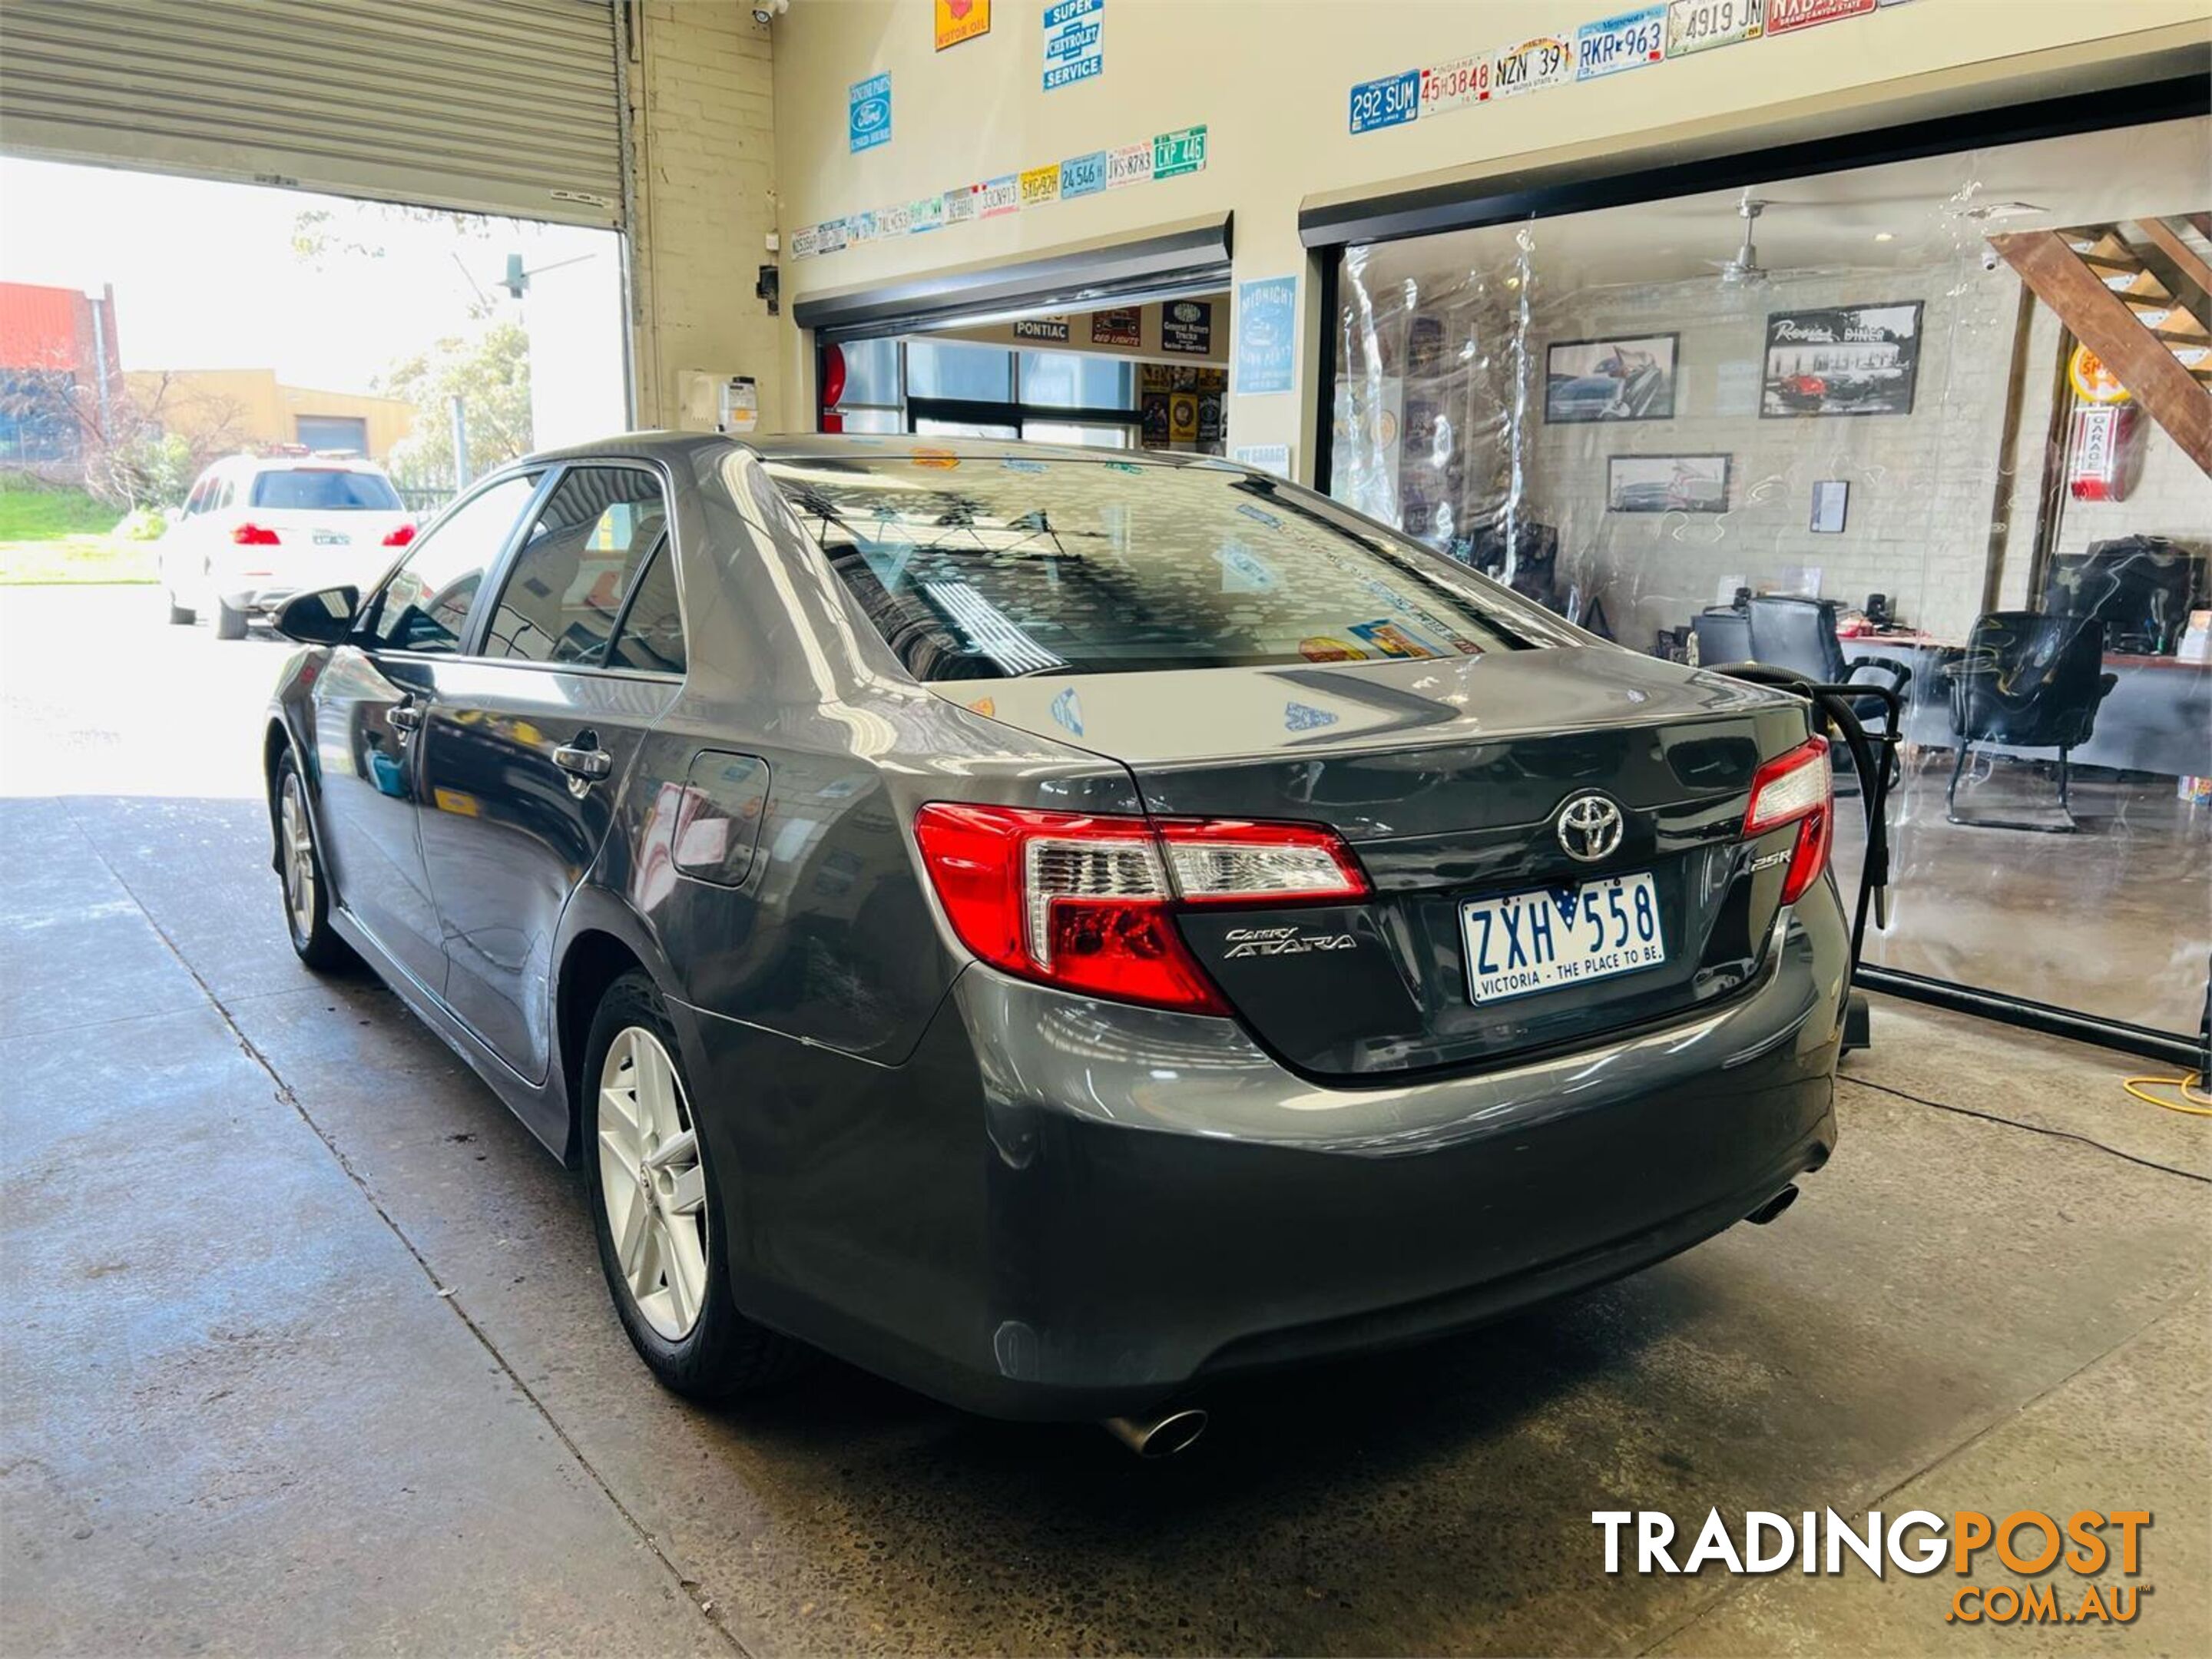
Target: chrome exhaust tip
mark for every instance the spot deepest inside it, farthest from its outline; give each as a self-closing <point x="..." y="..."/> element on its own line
<point x="1159" y="1434"/>
<point x="1773" y="1207"/>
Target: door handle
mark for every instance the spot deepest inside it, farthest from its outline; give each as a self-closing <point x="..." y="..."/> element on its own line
<point x="584" y="760"/>
<point x="405" y="717"/>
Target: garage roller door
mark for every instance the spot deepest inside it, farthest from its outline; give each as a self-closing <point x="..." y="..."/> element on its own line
<point x="499" y="106"/>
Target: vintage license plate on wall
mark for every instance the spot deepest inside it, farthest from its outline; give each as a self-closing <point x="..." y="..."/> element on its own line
<point x="1626" y="42"/>
<point x="1701" y="25"/>
<point x="1456" y="84"/>
<point x="1546" y="61"/>
<point x="1522" y="943"/>
<point x="1388" y="102"/>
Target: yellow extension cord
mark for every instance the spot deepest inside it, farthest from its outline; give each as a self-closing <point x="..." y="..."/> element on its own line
<point x="2194" y="1101"/>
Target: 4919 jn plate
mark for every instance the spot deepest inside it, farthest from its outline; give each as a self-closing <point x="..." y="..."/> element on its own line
<point x="1519" y="942"/>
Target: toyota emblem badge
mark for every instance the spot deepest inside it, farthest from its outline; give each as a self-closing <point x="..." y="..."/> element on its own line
<point x="1590" y="828"/>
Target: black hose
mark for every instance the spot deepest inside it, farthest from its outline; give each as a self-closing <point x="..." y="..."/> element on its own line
<point x="1873" y="759"/>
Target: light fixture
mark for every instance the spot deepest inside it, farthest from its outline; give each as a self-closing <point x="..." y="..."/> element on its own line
<point x="1885" y="236"/>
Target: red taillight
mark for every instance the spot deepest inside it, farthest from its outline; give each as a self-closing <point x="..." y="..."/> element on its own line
<point x="1085" y="901"/>
<point x="254" y="535"/>
<point x="1797" y="788"/>
<point x="400" y="536"/>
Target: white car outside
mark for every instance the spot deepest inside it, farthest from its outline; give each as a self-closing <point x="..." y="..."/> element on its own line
<point x="257" y="529"/>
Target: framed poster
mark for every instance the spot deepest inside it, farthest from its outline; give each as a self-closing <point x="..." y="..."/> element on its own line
<point x="1841" y="360"/>
<point x="1628" y="378"/>
<point x="1831" y="502"/>
<point x="1666" y="483"/>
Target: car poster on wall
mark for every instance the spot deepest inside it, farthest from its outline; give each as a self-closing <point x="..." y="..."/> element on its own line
<point x="1842" y="359"/>
<point x="1187" y="327"/>
<point x="1118" y="326"/>
<point x="1626" y="379"/>
<point x="1666" y="483"/>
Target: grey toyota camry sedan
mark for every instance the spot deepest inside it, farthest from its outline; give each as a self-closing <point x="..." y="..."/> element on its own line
<point x="1054" y="926"/>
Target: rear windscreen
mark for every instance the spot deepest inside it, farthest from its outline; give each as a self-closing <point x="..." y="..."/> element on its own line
<point x="323" y="490"/>
<point x="984" y="567"/>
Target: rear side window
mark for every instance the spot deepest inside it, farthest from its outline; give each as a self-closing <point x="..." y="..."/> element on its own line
<point x="425" y="605"/>
<point x="987" y="566"/>
<point x="325" y="490"/>
<point x="652" y="634"/>
<point x="565" y="591"/>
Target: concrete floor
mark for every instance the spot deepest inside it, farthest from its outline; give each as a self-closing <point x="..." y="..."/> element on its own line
<point x="305" y="1348"/>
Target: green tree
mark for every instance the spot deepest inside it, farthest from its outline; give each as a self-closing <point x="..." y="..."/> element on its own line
<point x="489" y="372"/>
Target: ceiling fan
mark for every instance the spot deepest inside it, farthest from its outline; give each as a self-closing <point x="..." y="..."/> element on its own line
<point x="1743" y="270"/>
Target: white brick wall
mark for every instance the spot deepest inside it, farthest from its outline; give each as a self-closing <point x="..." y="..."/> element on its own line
<point x="704" y="132"/>
<point x="1922" y="484"/>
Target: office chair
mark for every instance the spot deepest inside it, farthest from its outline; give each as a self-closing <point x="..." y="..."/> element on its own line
<point x="1723" y="635"/>
<point x="1800" y="634"/>
<point x="2027" y="680"/>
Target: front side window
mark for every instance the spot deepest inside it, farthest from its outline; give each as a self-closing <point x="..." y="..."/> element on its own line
<point x="325" y="488"/>
<point x="565" y="592"/>
<point x="425" y="605"/>
<point x="986" y="566"/>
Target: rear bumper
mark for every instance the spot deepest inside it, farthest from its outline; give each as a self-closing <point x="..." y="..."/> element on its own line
<point x="1060" y="1208"/>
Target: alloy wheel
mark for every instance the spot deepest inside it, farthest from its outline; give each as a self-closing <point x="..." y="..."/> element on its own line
<point x="650" y="1182"/>
<point x="299" y="857"/>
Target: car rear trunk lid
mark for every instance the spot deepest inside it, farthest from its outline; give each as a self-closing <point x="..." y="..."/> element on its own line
<point x="1447" y="777"/>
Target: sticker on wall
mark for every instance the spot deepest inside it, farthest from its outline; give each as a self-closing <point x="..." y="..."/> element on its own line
<point x="925" y="213"/>
<point x="960" y="20"/>
<point x="1268" y="458"/>
<point x="805" y="242"/>
<point x="896" y="220"/>
<point x="868" y="113"/>
<point x="1181" y="151"/>
<point x="1456" y="84"/>
<point x="834" y="236"/>
<point x="1128" y="164"/>
<point x="1067" y="710"/>
<point x="1052" y="330"/>
<point x="1122" y="326"/>
<point x="1782" y="17"/>
<point x="963" y="205"/>
<point x="1701" y="25"/>
<point x="1390" y="101"/>
<point x="1041" y="186"/>
<point x="864" y="226"/>
<point x="1083" y="175"/>
<point x="1072" y="49"/>
<point x="1267" y="331"/>
<point x="1629" y="41"/>
<point x="1187" y="327"/>
<point x="1001" y="195"/>
<point x="1546" y="61"/>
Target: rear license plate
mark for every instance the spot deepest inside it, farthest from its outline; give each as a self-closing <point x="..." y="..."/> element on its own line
<point x="332" y="538"/>
<point x="1540" y="940"/>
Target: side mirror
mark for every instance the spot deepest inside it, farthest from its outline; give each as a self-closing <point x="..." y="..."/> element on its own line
<point x="324" y="617"/>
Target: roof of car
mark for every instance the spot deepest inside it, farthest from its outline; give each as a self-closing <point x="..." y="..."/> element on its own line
<point x="300" y="463"/>
<point x="893" y="446"/>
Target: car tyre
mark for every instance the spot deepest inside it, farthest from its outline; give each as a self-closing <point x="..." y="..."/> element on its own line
<point x="180" y="615"/>
<point x="229" y="625"/>
<point x="300" y="867"/>
<point x="657" y="1209"/>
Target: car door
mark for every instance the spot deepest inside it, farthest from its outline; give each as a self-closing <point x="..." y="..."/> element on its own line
<point x="580" y="653"/>
<point x="371" y="702"/>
